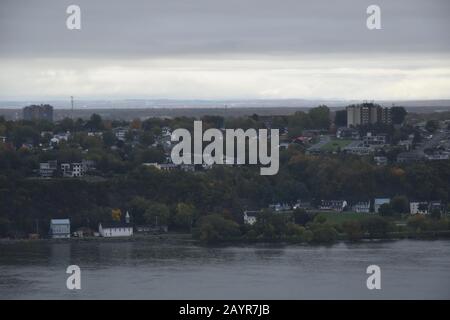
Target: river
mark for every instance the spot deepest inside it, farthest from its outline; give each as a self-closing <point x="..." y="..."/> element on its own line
<point x="180" y="269"/>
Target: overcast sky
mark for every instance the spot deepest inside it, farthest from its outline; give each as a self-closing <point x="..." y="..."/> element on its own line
<point x="225" y="49"/>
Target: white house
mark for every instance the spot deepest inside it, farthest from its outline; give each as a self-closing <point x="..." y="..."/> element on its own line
<point x="361" y="207"/>
<point x="418" y="207"/>
<point x="250" y="217"/>
<point x="120" y="133"/>
<point x="115" y="229"/>
<point x="60" y="228"/>
<point x="72" y="169"/>
<point x="333" y="205"/>
<point x="47" y="169"/>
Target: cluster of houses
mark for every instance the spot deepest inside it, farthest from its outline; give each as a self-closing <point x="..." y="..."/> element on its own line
<point x="416" y="207"/>
<point x="61" y="229"/>
<point x="70" y="170"/>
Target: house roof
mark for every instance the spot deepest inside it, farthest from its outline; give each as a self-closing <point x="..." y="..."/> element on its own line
<point x="251" y="213"/>
<point x="113" y="225"/>
<point x="382" y="200"/>
<point x="60" y="221"/>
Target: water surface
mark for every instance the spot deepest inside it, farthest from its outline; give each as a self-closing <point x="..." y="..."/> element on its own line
<point x="179" y="269"/>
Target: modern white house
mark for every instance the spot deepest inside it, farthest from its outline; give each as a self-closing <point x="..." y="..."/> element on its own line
<point x="115" y="229"/>
<point x="60" y="228"/>
<point x="250" y="217"/>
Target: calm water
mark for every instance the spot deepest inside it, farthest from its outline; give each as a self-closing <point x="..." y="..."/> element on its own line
<point x="175" y="269"/>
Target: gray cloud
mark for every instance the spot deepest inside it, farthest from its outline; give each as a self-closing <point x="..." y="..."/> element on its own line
<point x="143" y="28"/>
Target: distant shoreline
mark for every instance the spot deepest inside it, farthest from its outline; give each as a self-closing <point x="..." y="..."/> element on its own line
<point x="186" y="237"/>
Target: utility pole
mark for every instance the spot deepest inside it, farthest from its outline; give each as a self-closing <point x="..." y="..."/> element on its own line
<point x="71" y="115"/>
<point x="71" y="102"/>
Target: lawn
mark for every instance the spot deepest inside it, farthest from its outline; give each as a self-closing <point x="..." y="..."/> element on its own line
<point x="340" y="217"/>
<point x="335" y="144"/>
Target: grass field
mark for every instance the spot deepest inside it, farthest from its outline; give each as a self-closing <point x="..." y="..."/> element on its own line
<point x="341" y="217"/>
<point x="335" y="144"/>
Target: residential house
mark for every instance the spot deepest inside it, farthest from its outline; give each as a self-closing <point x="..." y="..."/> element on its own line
<point x="409" y="157"/>
<point x="380" y="160"/>
<point x="406" y="144"/>
<point x="378" y="202"/>
<point x="357" y="147"/>
<point x="120" y="133"/>
<point x="60" y="228"/>
<point x="374" y="141"/>
<point x="416" y="207"/>
<point x="438" y="156"/>
<point x="250" y="217"/>
<point x="98" y="134"/>
<point x="347" y="133"/>
<point x="436" y="206"/>
<point x="333" y="205"/>
<point x="88" y="165"/>
<point x="59" y="137"/>
<point x="47" y="169"/>
<point x="361" y="207"/>
<point x="305" y="205"/>
<point x="72" y="170"/>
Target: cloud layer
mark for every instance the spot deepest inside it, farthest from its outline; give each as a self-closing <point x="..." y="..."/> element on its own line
<point x="225" y="49"/>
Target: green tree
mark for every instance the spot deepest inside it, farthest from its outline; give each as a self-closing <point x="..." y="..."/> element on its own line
<point x="320" y="117"/>
<point x="184" y="216"/>
<point x="353" y="230"/>
<point x="432" y="125"/>
<point x="323" y="233"/>
<point x="375" y="226"/>
<point x="398" y="115"/>
<point x="109" y="138"/>
<point x="417" y="223"/>
<point x="386" y="210"/>
<point x="95" y="123"/>
<point x="157" y="214"/>
<point x="301" y="217"/>
<point x="214" y="227"/>
<point x="400" y="204"/>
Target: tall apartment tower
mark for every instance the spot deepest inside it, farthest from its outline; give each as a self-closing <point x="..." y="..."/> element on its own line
<point x="38" y="112"/>
<point x="367" y="113"/>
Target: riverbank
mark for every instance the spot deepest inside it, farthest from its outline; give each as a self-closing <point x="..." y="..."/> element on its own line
<point x="187" y="238"/>
<point x="148" y="237"/>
